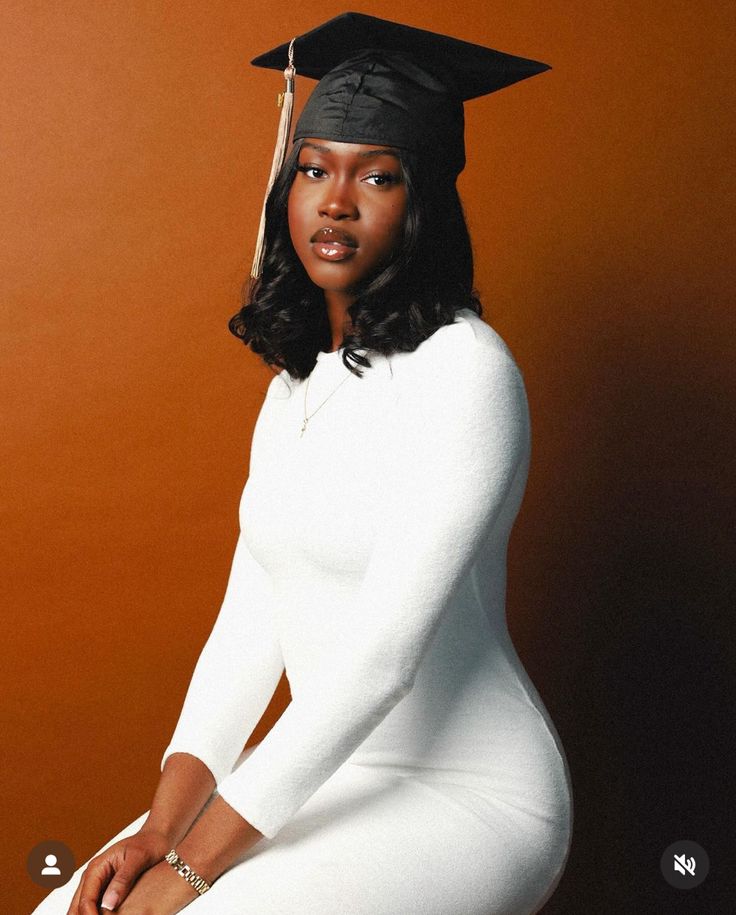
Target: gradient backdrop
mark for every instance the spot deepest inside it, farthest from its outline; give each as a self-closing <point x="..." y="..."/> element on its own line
<point x="136" y="143"/>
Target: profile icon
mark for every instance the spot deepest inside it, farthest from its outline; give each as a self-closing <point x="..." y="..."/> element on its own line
<point x="50" y="864"/>
<point x="51" y="869"/>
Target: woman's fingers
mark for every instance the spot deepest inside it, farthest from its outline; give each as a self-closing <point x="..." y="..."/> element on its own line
<point x="115" y="871"/>
<point x="95" y="877"/>
<point x="122" y="883"/>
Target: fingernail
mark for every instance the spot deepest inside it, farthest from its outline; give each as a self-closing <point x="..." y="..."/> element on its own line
<point x="110" y="900"/>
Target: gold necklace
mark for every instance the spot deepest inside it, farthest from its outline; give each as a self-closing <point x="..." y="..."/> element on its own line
<point x="306" y="388"/>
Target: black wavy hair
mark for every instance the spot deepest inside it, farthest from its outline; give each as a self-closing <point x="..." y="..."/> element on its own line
<point x="283" y="316"/>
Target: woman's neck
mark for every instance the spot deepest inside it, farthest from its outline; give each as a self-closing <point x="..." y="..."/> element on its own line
<point x="337" y="304"/>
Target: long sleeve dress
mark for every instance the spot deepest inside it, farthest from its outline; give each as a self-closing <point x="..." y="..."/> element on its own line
<point x="416" y="770"/>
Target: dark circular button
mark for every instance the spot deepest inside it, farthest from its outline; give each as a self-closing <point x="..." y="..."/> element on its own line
<point x="50" y="864"/>
<point x="684" y="864"/>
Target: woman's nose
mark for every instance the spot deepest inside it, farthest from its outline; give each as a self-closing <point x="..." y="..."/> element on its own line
<point x="337" y="202"/>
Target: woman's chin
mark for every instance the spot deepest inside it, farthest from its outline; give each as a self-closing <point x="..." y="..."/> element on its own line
<point x="333" y="279"/>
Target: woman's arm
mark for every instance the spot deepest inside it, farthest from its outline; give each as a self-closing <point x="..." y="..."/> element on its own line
<point x="236" y="674"/>
<point x="240" y="665"/>
<point x="186" y="784"/>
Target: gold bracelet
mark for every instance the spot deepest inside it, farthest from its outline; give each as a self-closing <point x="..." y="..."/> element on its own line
<point x="199" y="883"/>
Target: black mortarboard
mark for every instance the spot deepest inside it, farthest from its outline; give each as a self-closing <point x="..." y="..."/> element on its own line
<point x="383" y="82"/>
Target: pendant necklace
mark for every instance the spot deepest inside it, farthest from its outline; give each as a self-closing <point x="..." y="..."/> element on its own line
<point x="306" y="388"/>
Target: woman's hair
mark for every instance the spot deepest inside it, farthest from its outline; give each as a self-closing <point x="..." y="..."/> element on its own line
<point x="283" y="316"/>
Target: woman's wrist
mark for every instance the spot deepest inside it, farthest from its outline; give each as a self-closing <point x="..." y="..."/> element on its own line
<point x="185" y="788"/>
<point x="217" y="840"/>
<point x="170" y="835"/>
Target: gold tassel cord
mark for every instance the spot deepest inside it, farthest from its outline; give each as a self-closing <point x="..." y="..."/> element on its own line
<point x="286" y="103"/>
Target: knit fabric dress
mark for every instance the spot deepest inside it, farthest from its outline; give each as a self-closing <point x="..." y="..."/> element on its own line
<point x="416" y="770"/>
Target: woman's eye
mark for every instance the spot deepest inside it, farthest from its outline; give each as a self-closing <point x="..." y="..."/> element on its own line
<point x="382" y="179"/>
<point x="309" y="170"/>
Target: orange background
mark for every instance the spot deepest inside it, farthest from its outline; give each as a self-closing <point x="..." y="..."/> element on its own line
<point x="136" y="143"/>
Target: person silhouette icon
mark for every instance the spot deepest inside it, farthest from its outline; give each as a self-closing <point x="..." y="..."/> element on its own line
<point x="51" y="869"/>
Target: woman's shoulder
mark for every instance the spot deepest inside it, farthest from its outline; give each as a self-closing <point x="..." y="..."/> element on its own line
<point x="469" y="331"/>
<point x="281" y="386"/>
<point x="468" y="347"/>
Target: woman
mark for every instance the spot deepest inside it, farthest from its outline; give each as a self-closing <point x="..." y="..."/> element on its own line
<point x="416" y="770"/>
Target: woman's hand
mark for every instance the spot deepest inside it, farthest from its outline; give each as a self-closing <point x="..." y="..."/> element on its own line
<point x="160" y="891"/>
<point x="115" y="870"/>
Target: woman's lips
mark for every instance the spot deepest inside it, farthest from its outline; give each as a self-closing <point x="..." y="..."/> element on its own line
<point x="333" y="244"/>
<point x="333" y="251"/>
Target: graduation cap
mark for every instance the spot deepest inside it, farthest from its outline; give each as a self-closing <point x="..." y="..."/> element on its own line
<point x="386" y="83"/>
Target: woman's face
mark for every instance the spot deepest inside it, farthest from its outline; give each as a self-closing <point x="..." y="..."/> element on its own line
<point x="347" y="209"/>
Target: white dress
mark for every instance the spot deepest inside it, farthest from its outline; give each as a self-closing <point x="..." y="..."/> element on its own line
<point x="416" y="770"/>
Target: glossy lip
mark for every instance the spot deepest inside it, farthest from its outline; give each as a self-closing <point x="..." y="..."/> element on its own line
<point x="332" y="252"/>
<point x="331" y="237"/>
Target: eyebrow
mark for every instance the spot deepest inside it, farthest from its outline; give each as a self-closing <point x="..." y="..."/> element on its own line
<point x="368" y="154"/>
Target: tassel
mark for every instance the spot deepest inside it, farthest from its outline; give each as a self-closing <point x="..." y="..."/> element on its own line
<point x="285" y="101"/>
